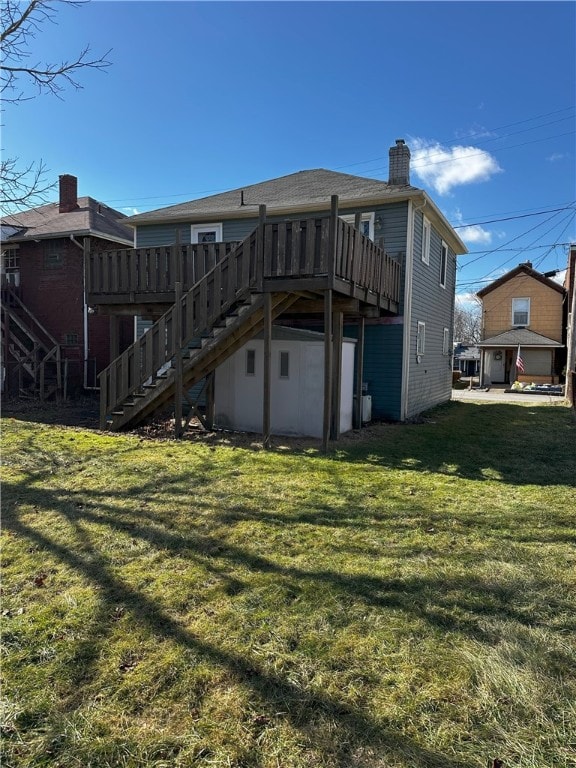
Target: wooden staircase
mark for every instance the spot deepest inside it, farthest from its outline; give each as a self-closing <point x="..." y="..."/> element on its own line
<point x="226" y="308"/>
<point x="29" y="349"/>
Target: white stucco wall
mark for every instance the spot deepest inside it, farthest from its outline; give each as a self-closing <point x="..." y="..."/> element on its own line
<point x="297" y="402"/>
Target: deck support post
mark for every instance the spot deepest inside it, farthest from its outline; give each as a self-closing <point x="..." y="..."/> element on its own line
<point x="267" y="374"/>
<point x="178" y="373"/>
<point x="260" y="248"/>
<point x="338" y="335"/>
<point x="210" y="389"/>
<point x="114" y="337"/>
<point x="327" y="369"/>
<point x="359" y="373"/>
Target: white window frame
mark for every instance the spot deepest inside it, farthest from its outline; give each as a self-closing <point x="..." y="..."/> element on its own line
<point x="284" y="354"/>
<point x="250" y="369"/>
<point x="443" y="264"/>
<point x="420" y="339"/>
<point x="211" y="227"/>
<point x="446" y="341"/>
<point x="515" y="310"/>
<point x="370" y="217"/>
<point x="426" y="239"/>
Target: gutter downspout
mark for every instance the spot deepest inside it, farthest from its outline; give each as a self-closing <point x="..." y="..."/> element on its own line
<point x="408" y="307"/>
<point x="85" y="316"/>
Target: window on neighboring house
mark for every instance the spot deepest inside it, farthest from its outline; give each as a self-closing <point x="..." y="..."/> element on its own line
<point x="426" y="234"/>
<point x="53" y="257"/>
<point x="284" y="365"/>
<point x="70" y="339"/>
<point x="366" y="223"/>
<point x="443" y="264"/>
<point x="206" y="233"/>
<point x="250" y="362"/>
<point x="421" y="338"/>
<point x="446" y="342"/>
<point x="10" y="267"/>
<point x="520" y="311"/>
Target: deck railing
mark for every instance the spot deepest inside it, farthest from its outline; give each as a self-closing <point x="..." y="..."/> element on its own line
<point x="315" y="248"/>
<point x="151" y="271"/>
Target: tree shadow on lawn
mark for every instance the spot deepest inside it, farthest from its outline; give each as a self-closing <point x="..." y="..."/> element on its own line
<point x="516" y="444"/>
<point x="461" y="604"/>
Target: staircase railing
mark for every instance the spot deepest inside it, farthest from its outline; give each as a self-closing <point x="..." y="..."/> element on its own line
<point x="31" y="344"/>
<point x="228" y="282"/>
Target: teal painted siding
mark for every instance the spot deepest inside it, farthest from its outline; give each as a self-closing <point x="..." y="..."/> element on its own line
<point x="382" y="367"/>
<point x="430" y="381"/>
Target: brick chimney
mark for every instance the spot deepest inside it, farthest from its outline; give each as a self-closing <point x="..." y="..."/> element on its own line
<point x="68" y="193"/>
<point x="399" y="167"/>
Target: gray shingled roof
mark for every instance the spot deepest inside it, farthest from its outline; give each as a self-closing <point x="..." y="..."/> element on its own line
<point x="285" y="333"/>
<point x="297" y="190"/>
<point x="521" y="336"/>
<point x="91" y="218"/>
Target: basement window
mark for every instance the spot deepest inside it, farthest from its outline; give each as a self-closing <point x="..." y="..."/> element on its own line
<point x="250" y="362"/>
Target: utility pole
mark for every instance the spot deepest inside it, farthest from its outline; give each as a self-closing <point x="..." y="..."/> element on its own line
<point x="571" y="340"/>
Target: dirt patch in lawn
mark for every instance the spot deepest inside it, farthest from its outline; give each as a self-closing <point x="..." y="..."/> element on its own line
<point x="84" y="413"/>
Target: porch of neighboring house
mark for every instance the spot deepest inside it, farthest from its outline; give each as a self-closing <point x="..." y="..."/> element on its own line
<point x="209" y="299"/>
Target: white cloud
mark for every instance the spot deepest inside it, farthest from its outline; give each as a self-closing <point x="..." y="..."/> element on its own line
<point x="555" y="156"/>
<point x="466" y="300"/>
<point x="444" y="168"/>
<point x="474" y="233"/>
<point x="130" y="211"/>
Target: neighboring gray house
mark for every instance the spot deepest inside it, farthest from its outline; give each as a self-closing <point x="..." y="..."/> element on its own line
<point x="406" y="331"/>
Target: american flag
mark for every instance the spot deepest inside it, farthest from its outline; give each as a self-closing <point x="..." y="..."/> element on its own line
<point x="519" y="361"/>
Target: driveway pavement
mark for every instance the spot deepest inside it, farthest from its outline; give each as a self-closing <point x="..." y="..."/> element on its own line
<point x="498" y="395"/>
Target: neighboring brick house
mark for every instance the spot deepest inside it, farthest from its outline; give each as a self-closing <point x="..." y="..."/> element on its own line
<point x="48" y="331"/>
<point x="524" y="310"/>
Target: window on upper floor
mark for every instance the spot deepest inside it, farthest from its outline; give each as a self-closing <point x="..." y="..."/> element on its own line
<point x="443" y="264"/>
<point x="366" y="222"/>
<point x="10" y="260"/>
<point x="426" y="235"/>
<point x="520" y="312"/>
<point x="53" y="254"/>
<point x="206" y="233"/>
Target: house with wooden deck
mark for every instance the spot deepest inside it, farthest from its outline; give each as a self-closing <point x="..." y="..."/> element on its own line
<point x="342" y="255"/>
<point x="52" y="342"/>
<point x="523" y="310"/>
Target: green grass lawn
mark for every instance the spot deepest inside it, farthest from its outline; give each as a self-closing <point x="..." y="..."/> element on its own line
<point x="403" y="602"/>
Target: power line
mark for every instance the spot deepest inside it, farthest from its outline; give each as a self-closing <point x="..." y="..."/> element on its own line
<point x="512" y="218"/>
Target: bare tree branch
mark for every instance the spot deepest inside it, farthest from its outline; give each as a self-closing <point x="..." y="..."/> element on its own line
<point x="23" y="186"/>
<point x="20" y="22"/>
<point x="468" y="321"/>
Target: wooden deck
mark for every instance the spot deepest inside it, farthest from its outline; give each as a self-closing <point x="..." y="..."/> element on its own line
<point x="217" y="296"/>
<point x="283" y="256"/>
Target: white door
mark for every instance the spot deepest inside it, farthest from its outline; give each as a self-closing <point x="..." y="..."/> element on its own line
<point x="497" y="366"/>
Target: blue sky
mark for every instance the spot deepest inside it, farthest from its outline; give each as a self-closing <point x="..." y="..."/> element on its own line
<point x="202" y="97"/>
